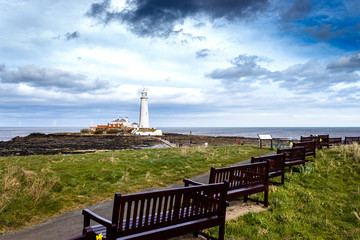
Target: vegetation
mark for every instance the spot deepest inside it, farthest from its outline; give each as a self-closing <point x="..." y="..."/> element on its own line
<point x="85" y="130"/>
<point x="146" y="130"/>
<point x="99" y="131"/>
<point x="322" y="201"/>
<point x="36" y="188"/>
<point x="113" y="131"/>
<point x="319" y="201"/>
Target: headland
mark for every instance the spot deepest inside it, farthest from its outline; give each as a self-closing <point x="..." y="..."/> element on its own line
<point x="79" y="143"/>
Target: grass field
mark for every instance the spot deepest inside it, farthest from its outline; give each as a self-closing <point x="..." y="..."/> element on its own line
<point x="322" y="201"/>
<point x="36" y="188"/>
<point x="319" y="201"/>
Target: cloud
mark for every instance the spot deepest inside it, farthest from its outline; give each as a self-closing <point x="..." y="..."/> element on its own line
<point x="324" y="21"/>
<point x="299" y="10"/>
<point x="98" y="10"/>
<point x="35" y="76"/>
<point x="325" y="32"/>
<point x="71" y="36"/>
<point x="158" y="18"/>
<point x="245" y="67"/>
<point x="350" y="64"/>
<point x="306" y="78"/>
<point x="203" y="53"/>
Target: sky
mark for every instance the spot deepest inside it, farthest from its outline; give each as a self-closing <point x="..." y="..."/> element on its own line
<point x="204" y="63"/>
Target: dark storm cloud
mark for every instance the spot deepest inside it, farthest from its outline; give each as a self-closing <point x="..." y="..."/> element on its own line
<point x="158" y="18"/>
<point x="48" y="78"/>
<point x="70" y="36"/>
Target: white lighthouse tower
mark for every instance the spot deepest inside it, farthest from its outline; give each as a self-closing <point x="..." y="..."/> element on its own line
<point x="144" y="110"/>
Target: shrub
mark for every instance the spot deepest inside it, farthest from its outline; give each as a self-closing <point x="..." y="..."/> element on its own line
<point x="99" y="131"/>
<point x="113" y="131"/>
<point x="85" y="130"/>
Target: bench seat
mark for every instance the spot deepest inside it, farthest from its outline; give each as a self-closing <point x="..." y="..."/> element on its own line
<point x="191" y="226"/>
<point x="294" y="162"/>
<point x="277" y="173"/>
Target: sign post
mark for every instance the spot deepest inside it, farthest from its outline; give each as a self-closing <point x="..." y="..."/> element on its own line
<point x="265" y="137"/>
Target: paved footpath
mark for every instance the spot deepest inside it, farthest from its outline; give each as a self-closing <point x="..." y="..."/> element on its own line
<point x="71" y="224"/>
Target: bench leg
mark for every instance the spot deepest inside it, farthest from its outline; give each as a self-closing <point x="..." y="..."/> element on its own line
<point x="245" y="198"/>
<point x="266" y="198"/>
<point x="222" y="232"/>
<point x="283" y="179"/>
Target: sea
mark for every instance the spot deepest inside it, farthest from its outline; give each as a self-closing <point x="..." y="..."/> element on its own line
<point x="7" y="133"/>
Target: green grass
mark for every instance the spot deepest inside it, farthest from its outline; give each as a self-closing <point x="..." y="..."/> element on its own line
<point x="322" y="201"/>
<point x="36" y="188"/>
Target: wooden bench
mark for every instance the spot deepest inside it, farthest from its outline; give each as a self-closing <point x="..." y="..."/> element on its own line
<point x="321" y="140"/>
<point x="335" y="141"/>
<point x="244" y="180"/>
<point x="310" y="147"/>
<point x="276" y="165"/>
<point x="293" y="156"/>
<point x="350" y="140"/>
<point x="161" y="214"/>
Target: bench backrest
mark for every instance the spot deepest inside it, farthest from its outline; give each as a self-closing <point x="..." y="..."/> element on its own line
<point x="293" y="154"/>
<point x="140" y="212"/>
<point x="276" y="161"/>
<point x="310" y="146"/>
<point x="349" y="140"/>
<point x="320" y="140"/>
<point x="246" y="175"/>
<point x="307" y="139"/>
<point x="335" y="140"/>
<point x="324" y="138"/>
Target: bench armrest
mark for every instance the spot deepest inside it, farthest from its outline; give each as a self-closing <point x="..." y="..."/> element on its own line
<point x="188" y="182"/>
<point x="88" y="214"/>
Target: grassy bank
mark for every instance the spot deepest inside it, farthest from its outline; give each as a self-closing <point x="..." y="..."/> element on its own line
<point x="322" y="201"/>
<point x="36" y="188"/>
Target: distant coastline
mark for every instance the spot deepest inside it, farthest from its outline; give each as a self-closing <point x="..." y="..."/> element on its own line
<point x="7" y="133"/>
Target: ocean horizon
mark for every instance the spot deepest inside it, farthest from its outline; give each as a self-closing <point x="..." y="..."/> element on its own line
<point x="7" y="133"/>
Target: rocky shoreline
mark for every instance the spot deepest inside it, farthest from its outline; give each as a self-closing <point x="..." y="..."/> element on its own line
<point x="77" y="143"/>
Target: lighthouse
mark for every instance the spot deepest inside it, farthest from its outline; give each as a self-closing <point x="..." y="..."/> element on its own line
<point x="144" y="110"/>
